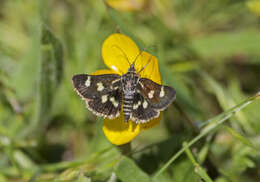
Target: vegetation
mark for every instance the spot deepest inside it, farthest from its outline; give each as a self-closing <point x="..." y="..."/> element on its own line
<point x="208" y="51"/>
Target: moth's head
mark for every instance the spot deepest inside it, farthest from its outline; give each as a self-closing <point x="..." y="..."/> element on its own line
<point x="132" y="68"/>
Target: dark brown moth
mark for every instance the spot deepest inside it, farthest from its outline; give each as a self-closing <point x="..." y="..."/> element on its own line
<point x="141" y="98"/>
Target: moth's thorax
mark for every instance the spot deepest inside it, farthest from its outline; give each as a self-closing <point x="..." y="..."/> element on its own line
<point x="130" y="80"/>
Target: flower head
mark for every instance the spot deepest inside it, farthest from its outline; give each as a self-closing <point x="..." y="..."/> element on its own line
<point x="127" y="5"/>
<point x="118" y="51"/>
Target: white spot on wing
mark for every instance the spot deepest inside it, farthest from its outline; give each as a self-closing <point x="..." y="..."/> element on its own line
<point x="137" y="105"/>
<point x="100" y="86"/>
<point x="113" y="82"/>
<point x="87" y="83"/>
<point x="162" y="92"/>
<point x="114" y="102"/>
<point x="98" y="113"/>
<point x="104" y="98"/>
<point x="145" y="104"/>
<point x="150" y="94"/>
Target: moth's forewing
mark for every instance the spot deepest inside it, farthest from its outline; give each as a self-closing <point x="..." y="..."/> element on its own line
<point x="101" y="93"/>
<point x="92" y="86"/>
<point x="159" y="96"/>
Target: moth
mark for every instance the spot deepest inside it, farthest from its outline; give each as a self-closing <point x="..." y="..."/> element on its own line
<point x="140" y="98"/>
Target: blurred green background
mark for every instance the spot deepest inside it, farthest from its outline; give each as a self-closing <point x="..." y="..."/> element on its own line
<point x="209" y="51"/>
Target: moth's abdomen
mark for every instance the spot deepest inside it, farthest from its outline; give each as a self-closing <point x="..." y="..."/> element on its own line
<point x="128" y="106"/>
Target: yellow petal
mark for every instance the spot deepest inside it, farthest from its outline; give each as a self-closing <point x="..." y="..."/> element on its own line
<point x="126" y="5"/>
<point x="118" y="51"/>
<point x="254" y="6"/>
<point x="118" y="131"/>
<point x="102" y="72"/>
<point x="151" y="70"/>
<point x="151" y="124"/>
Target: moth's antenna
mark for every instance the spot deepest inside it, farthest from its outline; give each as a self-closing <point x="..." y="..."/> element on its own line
<point x="141" y="53"/>
<point x="146" y="64"/>
<point x="123" y="53"/>
<point x="137" y="57"/>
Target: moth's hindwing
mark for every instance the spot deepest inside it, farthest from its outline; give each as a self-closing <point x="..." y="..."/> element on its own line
<point x="101" y="93"/>
<point x="159" y="96"/>
<point x="143" y="110"/>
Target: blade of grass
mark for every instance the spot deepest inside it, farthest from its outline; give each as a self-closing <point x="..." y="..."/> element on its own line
<point x="198" y="169"/>
<point x="213" y="124"/>
<point x="203" y="153"/>
<point x="241" y="138"/>
<point x="69" y="164"/>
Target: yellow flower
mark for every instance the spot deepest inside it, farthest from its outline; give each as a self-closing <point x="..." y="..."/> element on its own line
<point x="116" y="50"/>
<point x="254" y="6"/>
<point x="127" y="5"/>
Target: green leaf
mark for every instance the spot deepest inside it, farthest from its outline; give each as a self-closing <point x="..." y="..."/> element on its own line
<point x="22" y="159"/>
<point x="128" y="171"/>
<point x="50" y="74"/>
<point x="48" y="39"/>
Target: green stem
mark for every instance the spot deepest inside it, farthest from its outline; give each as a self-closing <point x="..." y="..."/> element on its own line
<point x="125" y="148"/>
